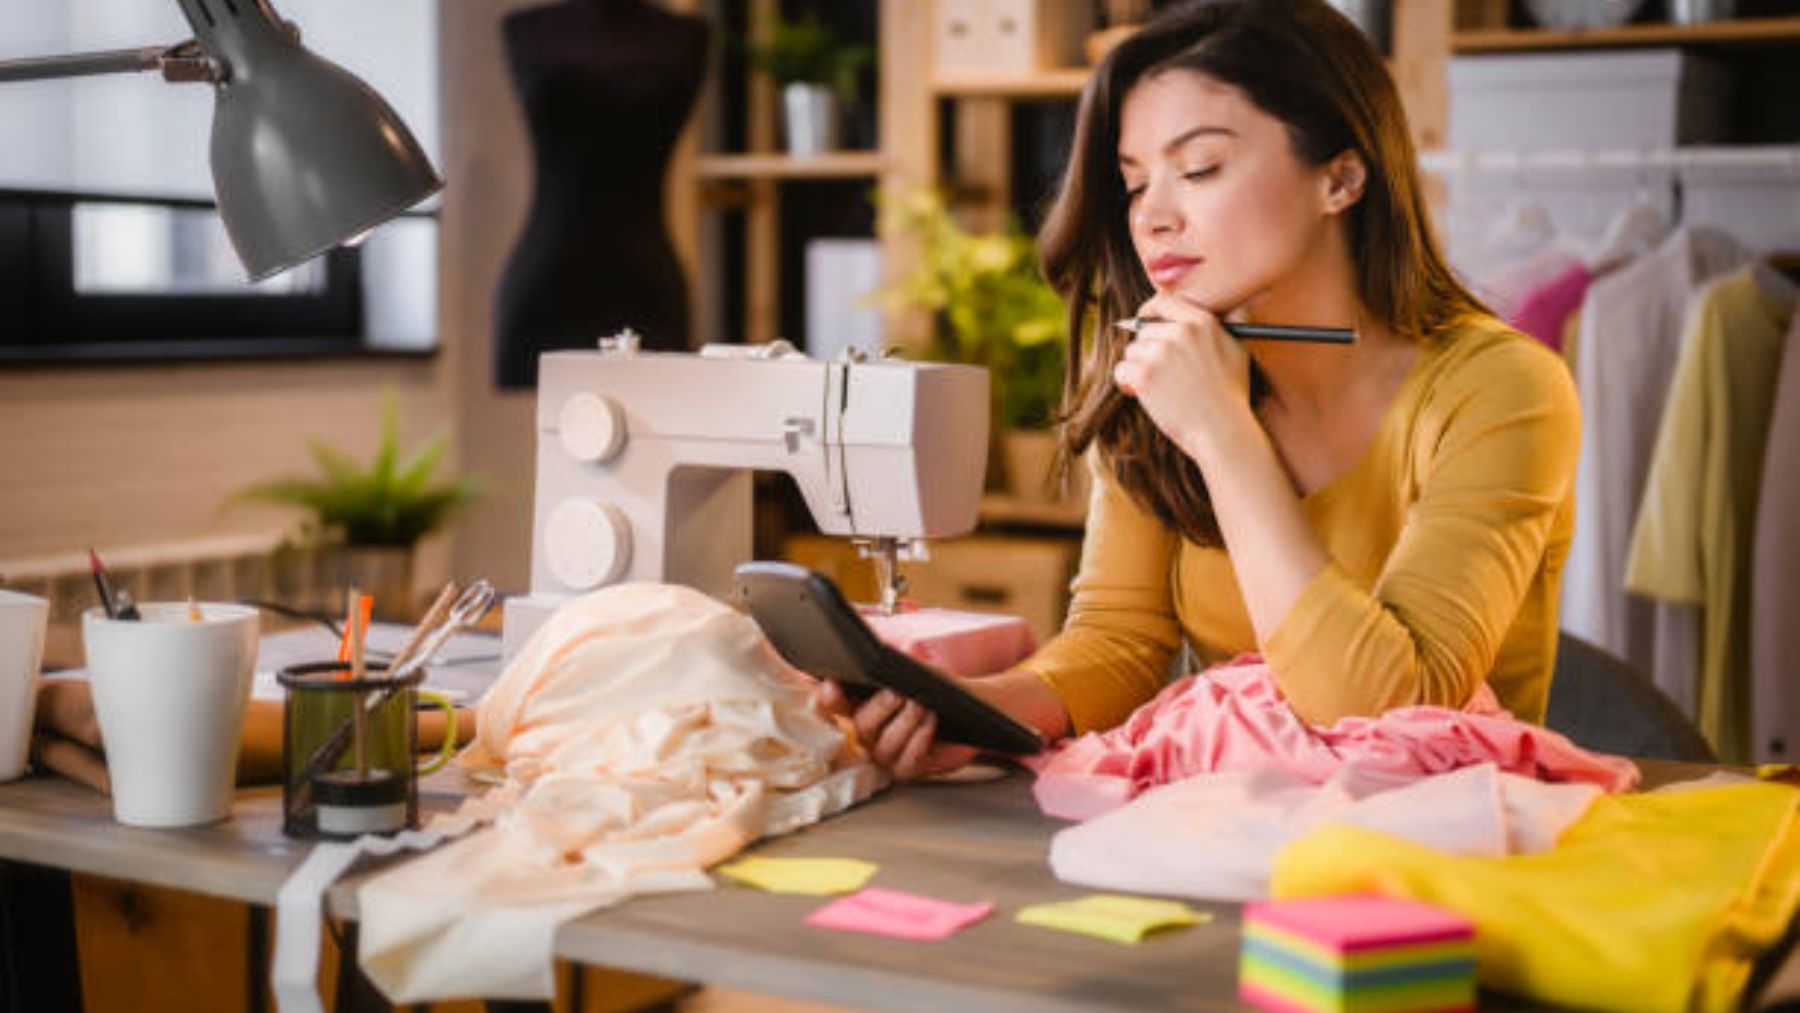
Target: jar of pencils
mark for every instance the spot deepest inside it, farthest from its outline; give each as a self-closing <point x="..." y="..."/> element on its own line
<point x="349" y="750"/>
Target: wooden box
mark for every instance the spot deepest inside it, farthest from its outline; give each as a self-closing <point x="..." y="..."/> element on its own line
<point x="1010" y="36"/>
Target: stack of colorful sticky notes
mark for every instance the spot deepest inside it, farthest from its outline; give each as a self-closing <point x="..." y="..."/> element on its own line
<point x="1356" y="955"/>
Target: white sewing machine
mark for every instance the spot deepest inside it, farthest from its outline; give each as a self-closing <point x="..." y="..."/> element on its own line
<point x="644" y="462"/>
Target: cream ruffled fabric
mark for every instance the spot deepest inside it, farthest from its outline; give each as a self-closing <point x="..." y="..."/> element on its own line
<point x="645" y="733"/>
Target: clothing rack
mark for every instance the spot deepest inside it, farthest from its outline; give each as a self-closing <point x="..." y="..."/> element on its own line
<point x="1748" y="190"/>
<point x="1776" y="159"/>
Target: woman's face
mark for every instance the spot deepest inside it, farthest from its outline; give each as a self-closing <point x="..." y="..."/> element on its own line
<point x="1221" y="210"/>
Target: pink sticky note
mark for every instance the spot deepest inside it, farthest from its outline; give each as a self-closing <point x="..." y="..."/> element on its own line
<point x="899" y="915"/>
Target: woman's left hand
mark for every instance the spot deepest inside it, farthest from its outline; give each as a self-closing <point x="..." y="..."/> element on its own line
<point x="1189" y="374"/>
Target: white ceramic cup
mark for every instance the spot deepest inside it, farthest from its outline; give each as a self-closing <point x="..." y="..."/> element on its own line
<point x="169" y="694"/>
<point x="22" y="621"/>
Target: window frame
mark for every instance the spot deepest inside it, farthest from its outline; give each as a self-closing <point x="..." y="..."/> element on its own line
<point x="44" y="320"/>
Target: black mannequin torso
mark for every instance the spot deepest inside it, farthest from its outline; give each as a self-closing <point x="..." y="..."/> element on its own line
<point x="606" y="86"/>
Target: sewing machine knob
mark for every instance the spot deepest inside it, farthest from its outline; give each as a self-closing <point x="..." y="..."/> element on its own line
<point x="589" y="543"/>
<point x="591" y="427"/>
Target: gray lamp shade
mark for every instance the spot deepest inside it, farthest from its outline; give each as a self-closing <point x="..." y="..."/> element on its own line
<point x="305" y="156"/>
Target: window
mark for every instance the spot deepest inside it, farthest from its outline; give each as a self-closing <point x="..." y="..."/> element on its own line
<point x="109" y="244"/>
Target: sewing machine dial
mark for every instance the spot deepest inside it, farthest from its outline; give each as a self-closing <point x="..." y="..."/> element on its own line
<point x="591" y="427"/>
<point x="589" y="543"/>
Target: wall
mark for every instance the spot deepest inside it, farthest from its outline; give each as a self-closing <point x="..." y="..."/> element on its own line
<point x="128" y="456"/>
<point x="488" y="161"/>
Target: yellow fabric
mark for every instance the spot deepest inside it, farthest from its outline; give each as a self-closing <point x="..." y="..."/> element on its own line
<point x="1692" y="540"/>
<point x="1647" y="903"/>
<point x="1447" y="539"/>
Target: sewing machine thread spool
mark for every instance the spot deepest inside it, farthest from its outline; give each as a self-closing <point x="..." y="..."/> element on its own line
<point x="329" y="788"/>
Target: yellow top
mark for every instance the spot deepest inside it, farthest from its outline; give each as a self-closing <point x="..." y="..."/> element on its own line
<point x="1447" y="539"/>
<point x="1692" y="540"/>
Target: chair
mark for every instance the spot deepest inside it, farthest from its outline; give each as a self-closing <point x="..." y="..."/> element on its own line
<point x="1602" y="703"/>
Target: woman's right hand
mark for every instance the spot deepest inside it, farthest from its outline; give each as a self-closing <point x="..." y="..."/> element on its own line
<point x="899" y="734"/>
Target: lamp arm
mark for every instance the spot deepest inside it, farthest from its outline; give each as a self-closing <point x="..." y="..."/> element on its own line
<point x="181" y="62"/>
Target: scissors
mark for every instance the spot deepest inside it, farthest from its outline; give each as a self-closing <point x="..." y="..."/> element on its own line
<point x="469" y="608"/>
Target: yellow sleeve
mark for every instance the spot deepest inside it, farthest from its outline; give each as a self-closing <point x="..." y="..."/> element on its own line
<point x="1502" y="452"/>
<point x="1664" y="560"/>
<point x="1114" y="650"/>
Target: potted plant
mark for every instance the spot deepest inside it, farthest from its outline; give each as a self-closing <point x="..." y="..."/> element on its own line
<point x="995" y="310"/>
<point x="374" y="515"/>
<point x="814" y="69"/>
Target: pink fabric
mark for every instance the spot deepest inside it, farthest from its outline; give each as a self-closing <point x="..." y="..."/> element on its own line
<point x="962" y="643"/>
<point x="1233" y="717"/>
<point x="1545" y="309"/>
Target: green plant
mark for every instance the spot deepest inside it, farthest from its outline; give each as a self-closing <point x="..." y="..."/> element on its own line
<point x="996" y="309"/>
<point x="805" y="51"/>
<point x="392" y="502"/>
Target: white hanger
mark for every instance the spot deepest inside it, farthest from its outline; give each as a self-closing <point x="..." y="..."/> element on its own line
<point x="1525" y="226"/>
<point x="1636" y="229"/>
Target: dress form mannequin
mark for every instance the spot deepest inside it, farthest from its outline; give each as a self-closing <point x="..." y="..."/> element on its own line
<point x="606" y="86"/>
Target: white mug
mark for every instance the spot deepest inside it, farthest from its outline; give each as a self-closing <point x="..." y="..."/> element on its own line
<point x="22" y="622"/>
<point x="169" y="693"/>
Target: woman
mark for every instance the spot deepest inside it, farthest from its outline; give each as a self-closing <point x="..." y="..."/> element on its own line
<point x="1385" y="521"/>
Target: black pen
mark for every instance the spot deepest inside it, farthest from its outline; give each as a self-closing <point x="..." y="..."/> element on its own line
<point x="1261" y="332"/>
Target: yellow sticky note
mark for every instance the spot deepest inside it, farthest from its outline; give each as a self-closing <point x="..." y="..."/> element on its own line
<point x="814" y="877"/>
<point x="1113" y="916"/>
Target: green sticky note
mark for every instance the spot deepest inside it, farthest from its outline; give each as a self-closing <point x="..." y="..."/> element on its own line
<point x="1111" y="916"/>
<point x="813" y="877"/>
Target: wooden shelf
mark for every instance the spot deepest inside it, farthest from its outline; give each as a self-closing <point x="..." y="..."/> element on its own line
<point x="1745" y="32"/>
<point x="1001" y="509"/>
<point x="836" y="165"/>
<point x="1066" y="83"/>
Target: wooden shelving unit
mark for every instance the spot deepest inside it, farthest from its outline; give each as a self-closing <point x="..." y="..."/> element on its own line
<point x="836" y="165"/>
<point x="1062" y="83"/>
<point x="1011" y="511"/>
<point x="1746" y="32"/>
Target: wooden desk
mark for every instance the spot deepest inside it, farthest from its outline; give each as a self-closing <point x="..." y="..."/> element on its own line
<point x="957" y="841"/>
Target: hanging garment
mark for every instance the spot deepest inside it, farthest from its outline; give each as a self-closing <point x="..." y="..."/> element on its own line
<point x="1215" y="836"/>
<point x="644" y="733"/>
<point x="1648" y="903"/>
<point x="1542" y="311"/>
<point x="1775" y="576"/>
<point x="1233" y="717"/>
<point x="1693" y="535"/>
<point x="1632" y="323"/>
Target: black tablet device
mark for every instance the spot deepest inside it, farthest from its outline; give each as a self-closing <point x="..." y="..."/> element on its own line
<point x="807" y="619"/>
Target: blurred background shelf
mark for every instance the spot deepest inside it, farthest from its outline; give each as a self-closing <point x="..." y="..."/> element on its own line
<point x="1743" y="32"/>
<point x="1066" y="83"/>
<point x="837" y="165"/>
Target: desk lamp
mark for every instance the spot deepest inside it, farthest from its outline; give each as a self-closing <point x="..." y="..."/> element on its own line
<point x="305" y="156"/>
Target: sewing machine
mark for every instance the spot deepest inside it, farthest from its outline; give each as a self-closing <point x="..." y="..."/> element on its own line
<point x="644" y="462"/>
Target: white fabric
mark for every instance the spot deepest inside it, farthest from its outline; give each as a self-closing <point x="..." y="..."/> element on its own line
<point x="645" y="732"/>
<point x="1215" y="836"/>
<point x="1632" y="324"/>
<point x="299" y="910"/>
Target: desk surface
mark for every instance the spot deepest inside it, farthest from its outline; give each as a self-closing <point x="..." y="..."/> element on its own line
<point x="964" y="842"/>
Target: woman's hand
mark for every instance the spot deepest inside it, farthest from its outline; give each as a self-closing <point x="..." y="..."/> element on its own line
<point x="1189" y="374"/>
<point x="900" y="735"/>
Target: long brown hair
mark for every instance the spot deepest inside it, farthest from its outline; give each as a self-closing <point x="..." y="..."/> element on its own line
<point x="1305" y="64"/>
